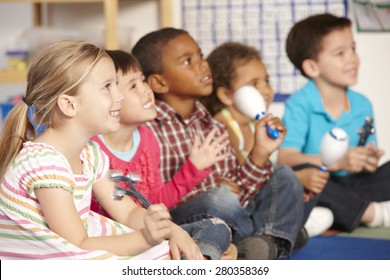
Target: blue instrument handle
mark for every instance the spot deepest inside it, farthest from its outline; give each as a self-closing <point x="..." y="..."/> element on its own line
<point x="272" y="133"/>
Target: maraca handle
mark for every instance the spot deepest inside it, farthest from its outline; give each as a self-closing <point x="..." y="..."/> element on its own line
<point x="323" y="168"/>
<point x="272" y="133"/>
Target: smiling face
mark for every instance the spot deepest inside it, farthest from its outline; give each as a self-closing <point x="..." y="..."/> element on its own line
<point x="98" y="101"/>
<point x="255" y="74"/>
<point x="337" y="62"/>
<point x="138" y="106"/>
<point x="185" y="71"/>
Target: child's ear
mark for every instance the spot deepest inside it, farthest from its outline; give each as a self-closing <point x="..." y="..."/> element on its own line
<point x="225" y="96"/>
<point x="67" y="105"/>
<point x="310" y="67"/>
<point x="157" y="84"/>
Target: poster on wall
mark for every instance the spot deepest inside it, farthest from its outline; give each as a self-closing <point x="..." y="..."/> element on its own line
<point x="263" y="24"/>
<point x="372" y="15"/>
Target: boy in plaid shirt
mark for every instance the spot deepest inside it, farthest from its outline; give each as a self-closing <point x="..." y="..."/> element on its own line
<point x="263" y="208"/>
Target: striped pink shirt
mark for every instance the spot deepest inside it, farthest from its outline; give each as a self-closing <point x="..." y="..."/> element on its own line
<point x="24" y="233"/>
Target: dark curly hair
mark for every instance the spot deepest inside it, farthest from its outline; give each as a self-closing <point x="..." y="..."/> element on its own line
<point x="223" y="62"/>
<point x="305" y="37"/>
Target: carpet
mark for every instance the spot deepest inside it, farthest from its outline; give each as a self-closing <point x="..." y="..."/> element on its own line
<point x="361" y="244"/>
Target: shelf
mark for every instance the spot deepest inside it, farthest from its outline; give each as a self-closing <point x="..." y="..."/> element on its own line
<point x="110" y="8"/>
<point x="12" y="77"/>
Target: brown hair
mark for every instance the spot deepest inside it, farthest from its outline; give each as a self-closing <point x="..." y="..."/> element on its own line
<point x="305" y="37"/>
<point x="124" y="61"/>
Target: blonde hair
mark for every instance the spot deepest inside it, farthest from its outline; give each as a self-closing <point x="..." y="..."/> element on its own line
<point x="57" y="69"/>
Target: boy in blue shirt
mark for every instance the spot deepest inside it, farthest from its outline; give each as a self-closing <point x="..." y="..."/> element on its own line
<point x="322" y="47"/>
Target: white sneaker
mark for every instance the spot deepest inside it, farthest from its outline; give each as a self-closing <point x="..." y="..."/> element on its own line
<point x="381" y="214"/>
<point x="320" y="220"/>
<point x="385" y="207"/>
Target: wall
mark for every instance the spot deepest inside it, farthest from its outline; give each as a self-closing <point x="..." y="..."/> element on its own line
<point x="136" y="17"/>
<point x="143" y="16"/>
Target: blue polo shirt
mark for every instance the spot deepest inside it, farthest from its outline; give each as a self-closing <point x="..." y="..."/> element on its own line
<point x="307" y="121"/>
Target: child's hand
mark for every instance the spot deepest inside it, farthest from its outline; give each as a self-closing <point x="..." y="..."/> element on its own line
<point x="312" y="179"/>
<point x="181" y="243"/>
<point x="157" y="224"/>
<point x="307" y="195"/>
<point x="374" y="155"/>
<point x="203" y="155"/>
<point x="264" y="145"/>
<point x="354" y="160"/>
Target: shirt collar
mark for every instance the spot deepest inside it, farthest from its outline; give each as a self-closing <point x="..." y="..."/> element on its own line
<point x="316" y="99"/>
<point x="166" y="113"/>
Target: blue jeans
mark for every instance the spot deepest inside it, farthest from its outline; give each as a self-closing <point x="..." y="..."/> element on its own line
<point x="276" y="210"/>
<point x="213" y="236"/>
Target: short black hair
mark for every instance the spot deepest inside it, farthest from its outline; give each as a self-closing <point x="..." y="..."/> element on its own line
<point x="150" y="48"/>
<point x="305" y="37"/>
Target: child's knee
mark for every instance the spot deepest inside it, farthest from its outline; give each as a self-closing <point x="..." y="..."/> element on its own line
<point x="288" y="178"/>
<point x="222" y="232"/>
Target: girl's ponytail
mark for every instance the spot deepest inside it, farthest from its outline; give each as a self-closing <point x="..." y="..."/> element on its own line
<point x="15" y="130"/>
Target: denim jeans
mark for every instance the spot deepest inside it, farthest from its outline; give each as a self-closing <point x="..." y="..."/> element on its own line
<point x="213" y="236"/>
<point x="276" y="210"/>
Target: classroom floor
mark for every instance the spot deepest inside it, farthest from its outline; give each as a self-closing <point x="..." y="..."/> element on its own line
<point x="362" y="244"/>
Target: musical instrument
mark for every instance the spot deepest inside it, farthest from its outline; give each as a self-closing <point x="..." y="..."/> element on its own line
<point x="366" y="130"/>
<point x="334" y="145"/>
<point x="130" y="181"/>
<point x="249" y="101"/>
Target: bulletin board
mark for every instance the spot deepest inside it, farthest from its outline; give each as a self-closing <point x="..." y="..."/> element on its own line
<point x="263" y="24"/>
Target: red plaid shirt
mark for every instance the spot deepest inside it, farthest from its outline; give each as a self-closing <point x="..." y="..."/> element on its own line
<point x="175" y="136"/>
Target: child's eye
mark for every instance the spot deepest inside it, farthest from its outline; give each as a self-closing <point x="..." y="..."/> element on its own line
<point x="187" y="61"/>
<point x="108" y="86"/>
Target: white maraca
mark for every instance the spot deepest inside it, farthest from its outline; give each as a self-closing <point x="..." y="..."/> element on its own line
<point x="249" y="101"/>
<point x="334" y="145"/>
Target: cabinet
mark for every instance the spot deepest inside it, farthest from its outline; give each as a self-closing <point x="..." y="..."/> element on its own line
<point x="110" y="10"/>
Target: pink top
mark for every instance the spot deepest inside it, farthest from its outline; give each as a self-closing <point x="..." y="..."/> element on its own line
<point x="145" y="164"/>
